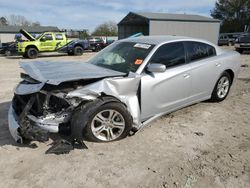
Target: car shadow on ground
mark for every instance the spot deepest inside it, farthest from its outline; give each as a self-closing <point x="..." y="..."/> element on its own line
<point x="5" y="137"/>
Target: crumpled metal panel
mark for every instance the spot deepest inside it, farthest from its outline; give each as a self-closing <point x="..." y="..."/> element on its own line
<point x="24" y="89"/>
<point x="57" y="72"/>
<point x="124" y="89"/>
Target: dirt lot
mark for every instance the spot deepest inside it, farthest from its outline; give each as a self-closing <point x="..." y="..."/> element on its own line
<point x="204" y="145"/>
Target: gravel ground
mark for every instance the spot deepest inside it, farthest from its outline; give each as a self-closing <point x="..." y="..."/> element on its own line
<point x="204" y="145"/>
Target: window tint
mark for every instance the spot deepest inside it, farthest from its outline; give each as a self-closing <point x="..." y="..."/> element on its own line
<point x="198" y="50"/>
<point x="170" y="54"/>
<point x="59" y="37"/>
<point x="48" y="37"/>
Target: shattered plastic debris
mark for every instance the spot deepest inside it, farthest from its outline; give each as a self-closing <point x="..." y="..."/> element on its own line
<point x="199" y="133"/>
<point x="244" y="65"/>
<point x="64" y="147"/>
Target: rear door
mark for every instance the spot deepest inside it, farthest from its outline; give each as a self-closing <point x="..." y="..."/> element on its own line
<point x="60" y="40"/>
<point x="201" y="57"/>
<point x="163" y="92"/>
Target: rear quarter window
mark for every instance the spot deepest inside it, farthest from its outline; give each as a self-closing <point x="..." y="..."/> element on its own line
<point x="198" y="51"/>
<point x="59" y="37"/>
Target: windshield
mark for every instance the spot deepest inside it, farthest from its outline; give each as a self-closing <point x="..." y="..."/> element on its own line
<point x="122" y="56"/>
<point x="38" y="36"/>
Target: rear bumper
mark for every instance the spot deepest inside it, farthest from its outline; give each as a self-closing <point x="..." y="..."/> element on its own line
<point x="242" y="45"/>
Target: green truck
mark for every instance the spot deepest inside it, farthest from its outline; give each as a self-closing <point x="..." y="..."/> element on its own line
<point x="49" y="42"/>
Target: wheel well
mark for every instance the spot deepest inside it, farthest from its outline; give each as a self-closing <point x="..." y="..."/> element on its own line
<point x="78" y="45"/>
<point x="31" y="46"/>
<point x="231" y="73"/>
<point x="104" y="98"/>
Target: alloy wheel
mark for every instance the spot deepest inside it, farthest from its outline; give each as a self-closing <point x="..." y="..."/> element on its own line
<point x="108" y="125"/>
<point x="223" y="87"/>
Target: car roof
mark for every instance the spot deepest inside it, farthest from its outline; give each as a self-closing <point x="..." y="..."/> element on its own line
<point x="155" y="39"/>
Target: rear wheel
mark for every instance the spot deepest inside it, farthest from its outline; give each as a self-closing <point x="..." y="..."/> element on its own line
<point x="78" y="50"/>
<point x="222" y="88"/>
<point x="70" y="53"/>
<point x="239" y="50"/>
<point x="7" y="53"/>
<point x="32" y="53"/>
<point x="97" y="48"/>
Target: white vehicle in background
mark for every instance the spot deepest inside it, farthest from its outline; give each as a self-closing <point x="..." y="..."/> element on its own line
<point x="122" y="88"/>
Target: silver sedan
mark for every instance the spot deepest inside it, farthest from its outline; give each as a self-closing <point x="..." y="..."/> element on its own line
<point x="121" y="89"/>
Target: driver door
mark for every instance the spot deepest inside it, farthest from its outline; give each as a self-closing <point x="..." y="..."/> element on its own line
<point x="165" y="91"/>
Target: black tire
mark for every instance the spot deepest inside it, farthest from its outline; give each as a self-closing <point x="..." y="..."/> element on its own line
<point x="215" y="97"/>
<point x="32" y="53"/>
<point x="83" y="117"/>
<point x="78" y="50"/>
<point x="239" y="50"/>
<point x="97" y="48"/>
<point x="70" y="53"/>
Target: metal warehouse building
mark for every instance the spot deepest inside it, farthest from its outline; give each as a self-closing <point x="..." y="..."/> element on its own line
<point x="169" y="24"/>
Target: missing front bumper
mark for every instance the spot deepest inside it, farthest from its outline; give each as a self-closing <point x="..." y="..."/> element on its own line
<point x="27" y="131"/>
<point x="25" y="125"/>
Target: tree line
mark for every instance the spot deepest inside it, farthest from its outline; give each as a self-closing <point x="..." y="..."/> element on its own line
<point x="234" y="15"/>
<point x="17" y="20"/>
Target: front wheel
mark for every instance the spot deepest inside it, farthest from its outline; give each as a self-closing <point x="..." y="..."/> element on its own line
<point x="239" y="50"/>
<point x="103" y="123"/>
<point x="221" y="88"/>
<point x="32" y="53"/>
<point x="78" y="50"/>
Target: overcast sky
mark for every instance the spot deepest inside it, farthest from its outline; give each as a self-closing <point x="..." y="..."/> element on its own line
<point x="87" y="14"/>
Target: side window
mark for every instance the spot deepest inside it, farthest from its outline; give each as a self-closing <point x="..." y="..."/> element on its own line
<point x="48" y="36"/>
<point x="171" y="54"/>
<point x="211" y="51"/>
<point x="198" y="50"/>
<point x="59" y="37"/>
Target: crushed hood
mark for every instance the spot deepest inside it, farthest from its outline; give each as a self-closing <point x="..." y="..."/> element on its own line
<point x="27" y="35"/>
<point x="54" y="73"/>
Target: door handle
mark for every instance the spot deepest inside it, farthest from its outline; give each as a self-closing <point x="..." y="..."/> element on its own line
<point x="218" y="64"/>
<point x="186" y="75"/>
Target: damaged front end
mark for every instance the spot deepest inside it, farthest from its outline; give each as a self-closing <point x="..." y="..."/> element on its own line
<point x="42" y="103"/>
<point x="36" y="112"/>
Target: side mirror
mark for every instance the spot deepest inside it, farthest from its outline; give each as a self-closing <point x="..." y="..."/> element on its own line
<point x="155" y="67"/>
<point x="43" y="39"/>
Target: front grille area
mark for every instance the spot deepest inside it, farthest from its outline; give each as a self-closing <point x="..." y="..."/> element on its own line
<point x="43" y="104"/>
<point x="19" y="102"/>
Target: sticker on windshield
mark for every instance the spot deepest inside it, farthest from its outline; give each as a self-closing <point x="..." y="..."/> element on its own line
<point x="138" y="61"/>
<point x="144" y="46"/>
